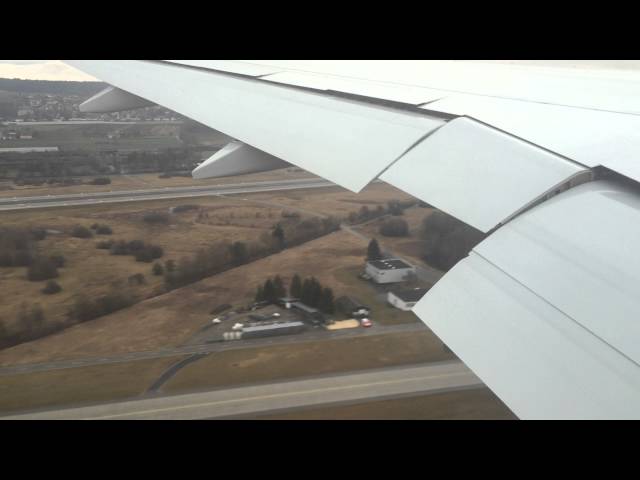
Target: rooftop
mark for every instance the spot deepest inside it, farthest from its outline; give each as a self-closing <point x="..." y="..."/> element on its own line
<point x="273" y="326"/>
<point x="390" y="264"/>
<point x="412" y="295"/>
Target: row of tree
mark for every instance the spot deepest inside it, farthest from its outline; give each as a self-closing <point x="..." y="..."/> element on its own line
<point x="224" y="255"/>
<point x="393" y="207"/>
<point x="309" y="291"/>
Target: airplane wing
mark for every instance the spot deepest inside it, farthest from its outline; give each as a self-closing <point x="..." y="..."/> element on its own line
<point x="545" y="160"/>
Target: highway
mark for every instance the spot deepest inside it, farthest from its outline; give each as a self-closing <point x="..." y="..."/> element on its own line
<point x="253" y="400"/>
<point x="23" y="203"/>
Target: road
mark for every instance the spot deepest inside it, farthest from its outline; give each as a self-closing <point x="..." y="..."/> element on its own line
<point x="23" y="203"/>
<point x="253" y="400"/>
<point x="312" y="336"/>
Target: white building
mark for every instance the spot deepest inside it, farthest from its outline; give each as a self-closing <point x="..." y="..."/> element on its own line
<point x="405" y="299"/>
<point x="390" y="270"/>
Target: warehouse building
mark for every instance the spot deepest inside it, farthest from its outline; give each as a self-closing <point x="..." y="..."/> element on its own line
<point x="390" y="270"/>
<point x="286" y="328"/>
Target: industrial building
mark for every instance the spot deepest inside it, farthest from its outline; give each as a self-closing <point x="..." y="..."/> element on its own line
<point x="390" y="270"/>
<point x="405" y="299"/>
<point x="285" y="328"/>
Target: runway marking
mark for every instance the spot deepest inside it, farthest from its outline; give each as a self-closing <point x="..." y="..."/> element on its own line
<point x="275" y="395"/>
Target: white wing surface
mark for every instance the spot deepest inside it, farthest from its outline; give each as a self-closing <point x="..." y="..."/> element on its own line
<point x="546" y="309"/>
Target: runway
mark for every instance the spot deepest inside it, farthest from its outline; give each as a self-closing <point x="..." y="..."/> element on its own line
<point x="252" y="400"/>
<point x="23" y="203"/>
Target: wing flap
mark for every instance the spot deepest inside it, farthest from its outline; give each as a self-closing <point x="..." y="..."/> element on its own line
<point x="540" y="362"/>
<point x="112" y="99"/>
<point x="478" y="174"/>
<point x="578" y="251"/>
<point x="236" y="158"/>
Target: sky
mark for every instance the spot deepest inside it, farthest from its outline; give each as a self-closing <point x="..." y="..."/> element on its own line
<point x="41" y="70"/>
<point x="57" y="70"/>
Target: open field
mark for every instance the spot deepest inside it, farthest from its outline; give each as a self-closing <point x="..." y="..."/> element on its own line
<point x="474" y="404"/>
<point x="78" y="386"/>
<point x="92" y="271"/>
<point x="277" y="362"/>
<point x="171" y="319"/>
<point x="336" y="202"/>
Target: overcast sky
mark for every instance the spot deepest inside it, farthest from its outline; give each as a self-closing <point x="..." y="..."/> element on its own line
<point x="41" y="70"/>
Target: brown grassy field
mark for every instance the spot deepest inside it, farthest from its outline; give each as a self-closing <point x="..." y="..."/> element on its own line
<point x="79" y="386"/>
<point x="476" y="404"/>
<point x="92" y="272"/>
<point x="170" y="319"/>
<point x="263" y="364"/>
<point x="335" y="201"/>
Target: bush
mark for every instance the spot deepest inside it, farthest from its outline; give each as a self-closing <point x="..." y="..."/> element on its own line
<point x="51" y="287"/>
<point x="119" y="248"/>
<point x="157" y="269"/>
<point x="105" y="244"/>
<point x="85" y="309"/>
<point x="41" y="269"/>
<point x="185" y="208"/>
<point x="137" y="279"/>
<point x="38" y="233"/>
<point x="81" y="232"/>
<point x="58" y="260"/>
<point x="144" y="255"/>
<point x="395" y="227"/>
<point x="103" y="230"/>
<point x="448" y="240"/>
<point x="101" y="181"/>
<point x="156" y="218"/>
<point x="135" y="245"/>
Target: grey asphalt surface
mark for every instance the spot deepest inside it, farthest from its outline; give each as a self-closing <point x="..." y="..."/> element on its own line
<point x="23" y="203"/>
<point x="280" y="396"/>
<point x="313" y="335"/>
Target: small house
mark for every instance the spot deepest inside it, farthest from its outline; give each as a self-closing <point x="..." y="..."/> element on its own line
<point x="405" y="299"/>
<point x="390" y="270"/>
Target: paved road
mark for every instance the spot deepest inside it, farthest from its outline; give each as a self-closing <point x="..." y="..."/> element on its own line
<point x="22" y="203"/>
<point x="312" y="336"/>
<point x="260" y="399"/>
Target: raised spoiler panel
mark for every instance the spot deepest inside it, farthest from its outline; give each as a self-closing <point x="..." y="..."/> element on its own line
<point x="346" y="142"/>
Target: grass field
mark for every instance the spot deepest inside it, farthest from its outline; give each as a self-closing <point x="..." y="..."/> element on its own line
<point x="265" y="364"/>
<point x="79" y="386"/>
<point x="92" y="272"/>
<point x="476" y="404"/>
<point x="171" y="319"/>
